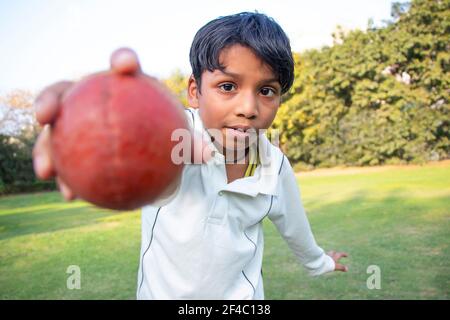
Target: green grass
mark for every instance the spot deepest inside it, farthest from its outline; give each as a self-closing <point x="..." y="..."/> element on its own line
<point x="397" y="219"/>
<point x="41" y="236"/>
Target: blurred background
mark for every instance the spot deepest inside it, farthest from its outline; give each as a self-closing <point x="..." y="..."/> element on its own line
<point x="365" y="125"/>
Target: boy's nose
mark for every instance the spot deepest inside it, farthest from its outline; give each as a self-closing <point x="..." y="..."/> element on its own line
<point x="247" y="107"/>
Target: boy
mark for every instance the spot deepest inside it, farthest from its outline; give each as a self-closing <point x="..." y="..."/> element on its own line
<point x="205" y="239"/>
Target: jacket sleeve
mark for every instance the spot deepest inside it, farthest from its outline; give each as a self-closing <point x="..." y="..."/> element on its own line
<point x="290" y="219"/>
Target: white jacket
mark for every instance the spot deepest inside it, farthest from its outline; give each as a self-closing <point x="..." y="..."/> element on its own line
<point x="206" y="240"/>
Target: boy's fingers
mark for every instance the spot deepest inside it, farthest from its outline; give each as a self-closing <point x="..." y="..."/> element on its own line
<point x="125" y="61"/>
<point x="42" y="158"/>
<point x="340" y="255"/>
<point x="46" y="105"/>
<point x="341" y="267"/>
<point x="337" y="255"/>
<point x="65" y="190"/>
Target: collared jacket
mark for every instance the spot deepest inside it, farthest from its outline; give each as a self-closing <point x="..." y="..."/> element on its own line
<point x="206" y="240"/>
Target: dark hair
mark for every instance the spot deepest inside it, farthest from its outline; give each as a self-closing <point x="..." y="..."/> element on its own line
<point x="256" y="31"/>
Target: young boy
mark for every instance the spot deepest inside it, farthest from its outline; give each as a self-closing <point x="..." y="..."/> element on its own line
<point x="205" y="239"/>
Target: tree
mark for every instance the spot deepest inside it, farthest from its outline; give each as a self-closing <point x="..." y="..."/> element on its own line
<point x="18" y="132"/>
<point x="177" y="84"/>
<point x="376" y="96"/>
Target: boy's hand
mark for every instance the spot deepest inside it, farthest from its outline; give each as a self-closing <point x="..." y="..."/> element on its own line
<point x="336" y="256"/>
<point x="47" y="104"/>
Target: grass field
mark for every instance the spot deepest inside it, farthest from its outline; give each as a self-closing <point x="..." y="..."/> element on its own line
<point x="396" y="218"/>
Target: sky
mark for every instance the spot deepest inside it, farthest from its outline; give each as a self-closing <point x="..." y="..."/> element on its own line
<point x="44" y="41"/>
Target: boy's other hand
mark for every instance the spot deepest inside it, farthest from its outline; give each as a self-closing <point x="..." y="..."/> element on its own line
<point x="336" y="256"/>
<point x="47" y="104"/>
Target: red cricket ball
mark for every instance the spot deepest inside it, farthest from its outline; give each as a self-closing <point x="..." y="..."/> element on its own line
<point x="111" y="141"/>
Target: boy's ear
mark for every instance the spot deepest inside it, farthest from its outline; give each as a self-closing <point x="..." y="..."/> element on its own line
<point x="192" y="92"/>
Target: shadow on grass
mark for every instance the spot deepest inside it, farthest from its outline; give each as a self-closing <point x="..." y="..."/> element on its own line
<point x="46" y="213"/>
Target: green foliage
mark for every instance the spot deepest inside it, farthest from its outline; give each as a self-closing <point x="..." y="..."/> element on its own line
<point x="177" y="84"/>
<point x="374" y="97"/>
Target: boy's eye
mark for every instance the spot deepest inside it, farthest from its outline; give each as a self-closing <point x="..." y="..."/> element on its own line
<point x="227" y="87"/>
<point x="268" y="92"/>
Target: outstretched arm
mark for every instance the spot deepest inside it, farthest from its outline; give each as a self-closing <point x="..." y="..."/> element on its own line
<point x="291" y="221"/>
<point x="47" y="105"/>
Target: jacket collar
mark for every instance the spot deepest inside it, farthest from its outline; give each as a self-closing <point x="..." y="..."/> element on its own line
<point x="265" y="178"/>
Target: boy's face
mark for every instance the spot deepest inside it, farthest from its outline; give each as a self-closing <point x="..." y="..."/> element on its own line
<point x="245" y="95"/>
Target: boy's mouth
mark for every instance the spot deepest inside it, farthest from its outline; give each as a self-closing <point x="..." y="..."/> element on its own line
<point x="238" y="133"/>
<point x="240" y="128"/>
<point x="242" y="133"/>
